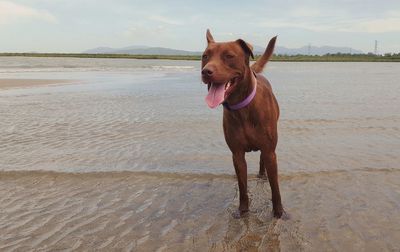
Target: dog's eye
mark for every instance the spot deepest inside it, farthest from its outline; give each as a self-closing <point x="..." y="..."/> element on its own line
<point x="230" y="56"/>
<point x="205" y="56"/>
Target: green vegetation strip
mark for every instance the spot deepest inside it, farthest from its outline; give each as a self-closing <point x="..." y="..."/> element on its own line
<point x="339" y="57"/>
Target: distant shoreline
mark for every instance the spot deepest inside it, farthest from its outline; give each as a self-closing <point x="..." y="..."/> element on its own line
<point x="285" y="58"/>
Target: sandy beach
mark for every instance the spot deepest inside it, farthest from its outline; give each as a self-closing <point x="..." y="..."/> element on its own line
<point x="125" y="211"/>
<point x="26" y="83"/>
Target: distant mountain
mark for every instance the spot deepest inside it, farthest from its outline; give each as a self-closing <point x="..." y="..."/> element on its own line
<point x="146" y="50"/>
<point x="113" y="50"/>
<point x="99" y="50"/>
<point x="312" y="50"/>
<point x="141" y="50"/>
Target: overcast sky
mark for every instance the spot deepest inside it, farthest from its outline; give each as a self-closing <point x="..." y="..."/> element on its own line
<point x="77" y="25"/>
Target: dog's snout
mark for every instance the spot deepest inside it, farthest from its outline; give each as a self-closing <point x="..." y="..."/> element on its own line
<point x="207" y="71"/>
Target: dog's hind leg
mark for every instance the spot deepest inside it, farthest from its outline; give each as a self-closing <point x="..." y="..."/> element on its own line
<point x="269" y="159"/>
<point x="261" y="173"/>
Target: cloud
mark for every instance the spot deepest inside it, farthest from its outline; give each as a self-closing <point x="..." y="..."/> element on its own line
<point x="305" y="12"/>
<point x="318" y="21"/>
<point x="140" y="33"/>
<point x="389" y="24"/>
<point x="165" y="20"/>
<point x="12" y="12"/>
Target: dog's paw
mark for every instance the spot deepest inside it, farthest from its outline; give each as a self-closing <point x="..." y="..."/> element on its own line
<point x="262" y="176"/>
<point x="281" y="214"/>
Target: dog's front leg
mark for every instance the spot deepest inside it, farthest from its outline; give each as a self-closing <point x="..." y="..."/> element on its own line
<point x="239" y="162"/>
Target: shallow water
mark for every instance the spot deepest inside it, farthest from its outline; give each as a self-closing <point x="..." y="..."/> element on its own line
<point x="131" y="117"/>
<point x="338" y="154"/>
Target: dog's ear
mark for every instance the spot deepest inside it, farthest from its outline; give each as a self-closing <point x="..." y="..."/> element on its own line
<point x="246" y="47"/>
<point x="210" y="38"/>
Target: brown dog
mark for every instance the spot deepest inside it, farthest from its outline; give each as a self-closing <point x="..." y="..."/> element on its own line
<point x="251" y="111"/>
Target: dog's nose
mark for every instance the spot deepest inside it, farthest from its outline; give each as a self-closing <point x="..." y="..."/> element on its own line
<point x="207" y="72"/>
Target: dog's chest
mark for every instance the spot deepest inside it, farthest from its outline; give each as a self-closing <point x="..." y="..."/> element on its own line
<point x="253" y="135"/>
<point x="244" y="133"/>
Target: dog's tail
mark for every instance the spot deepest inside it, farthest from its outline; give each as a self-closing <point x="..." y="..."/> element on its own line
<point x="259" y="65"/>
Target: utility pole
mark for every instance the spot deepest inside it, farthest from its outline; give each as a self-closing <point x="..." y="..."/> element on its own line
<point x="309" y="49"/>
<point x="376" y="47"/>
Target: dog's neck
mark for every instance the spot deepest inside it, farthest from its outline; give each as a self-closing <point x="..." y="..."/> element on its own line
<point x="244" y="89"/>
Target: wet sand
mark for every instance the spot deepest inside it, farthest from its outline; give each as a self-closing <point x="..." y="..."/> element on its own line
<point x="27" y="83"/>
<point x="138" y="211"/>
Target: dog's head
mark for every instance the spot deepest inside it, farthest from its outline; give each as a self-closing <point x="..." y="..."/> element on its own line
<point x="223" y="67"/>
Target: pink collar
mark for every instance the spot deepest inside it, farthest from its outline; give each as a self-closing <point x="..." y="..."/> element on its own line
<point x="246" y="101"/>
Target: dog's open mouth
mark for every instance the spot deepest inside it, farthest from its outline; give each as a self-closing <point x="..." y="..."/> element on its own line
<point x="218" y="92"/>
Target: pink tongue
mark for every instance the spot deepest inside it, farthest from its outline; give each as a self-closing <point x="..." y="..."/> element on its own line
<point x="216" y="95"/>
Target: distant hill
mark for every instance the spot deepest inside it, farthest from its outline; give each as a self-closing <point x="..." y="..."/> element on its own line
<point x="146" y="50"/>
<point x="314" y="50"/>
